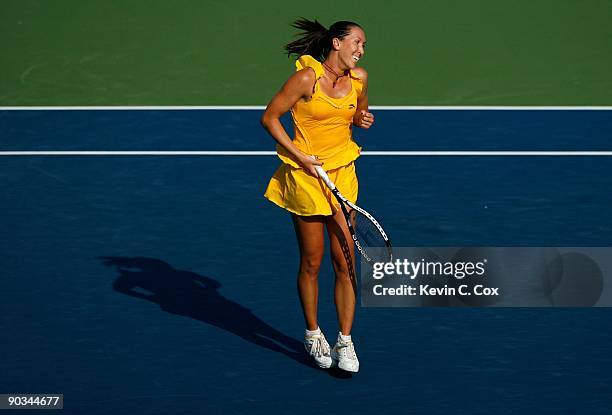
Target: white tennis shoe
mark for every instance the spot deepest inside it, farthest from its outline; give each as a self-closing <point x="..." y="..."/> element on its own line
<point x="318" y="349"/>
<point x="343" y="354"/>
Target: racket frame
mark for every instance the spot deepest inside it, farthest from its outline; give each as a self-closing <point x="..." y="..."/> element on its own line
<point x="343" y="201"/>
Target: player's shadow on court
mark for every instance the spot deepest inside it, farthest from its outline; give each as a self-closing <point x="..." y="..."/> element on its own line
<point x="196" y="296"/>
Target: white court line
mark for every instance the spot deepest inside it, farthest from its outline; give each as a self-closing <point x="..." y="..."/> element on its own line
<point x="262" y="107"/>
<point x="273" y="153"/>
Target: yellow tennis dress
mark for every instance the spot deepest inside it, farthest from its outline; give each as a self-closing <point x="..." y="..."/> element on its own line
<point x="323" y="129"/>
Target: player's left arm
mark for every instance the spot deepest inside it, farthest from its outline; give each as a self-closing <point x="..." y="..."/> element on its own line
<point x="363" y="118"/>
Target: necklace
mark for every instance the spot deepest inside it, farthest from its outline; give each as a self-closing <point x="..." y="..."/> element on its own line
<point x="326" y="66"/>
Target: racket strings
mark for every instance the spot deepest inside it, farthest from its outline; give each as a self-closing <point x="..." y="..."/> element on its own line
<point x="367" y="233"/>
<point x="369" y="236"/>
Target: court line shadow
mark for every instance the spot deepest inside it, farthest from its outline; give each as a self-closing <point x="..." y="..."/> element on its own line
<point x="196" y="296"/>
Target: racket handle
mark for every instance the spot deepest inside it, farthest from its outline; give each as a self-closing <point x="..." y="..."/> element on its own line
<point x="323" y="175"/>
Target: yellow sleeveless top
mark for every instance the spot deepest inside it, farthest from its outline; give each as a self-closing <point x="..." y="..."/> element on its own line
<point x="323" y="124"/>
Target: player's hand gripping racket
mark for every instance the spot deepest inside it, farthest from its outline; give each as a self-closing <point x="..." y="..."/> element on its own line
<point x="369" y="237"/>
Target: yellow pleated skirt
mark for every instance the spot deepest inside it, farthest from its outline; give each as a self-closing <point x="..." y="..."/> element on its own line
<point x="298" y="192"/>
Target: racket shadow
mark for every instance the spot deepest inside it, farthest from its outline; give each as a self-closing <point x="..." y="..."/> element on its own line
<point x="196" y="296"/>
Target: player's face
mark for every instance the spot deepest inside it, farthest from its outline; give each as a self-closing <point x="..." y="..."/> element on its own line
<point x="352" y="47"/>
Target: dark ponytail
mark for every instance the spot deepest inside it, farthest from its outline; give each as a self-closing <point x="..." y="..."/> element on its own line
<point x="314" y="39"/>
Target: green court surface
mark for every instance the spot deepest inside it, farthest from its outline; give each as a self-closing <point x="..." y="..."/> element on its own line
<point x="192" y="52"/>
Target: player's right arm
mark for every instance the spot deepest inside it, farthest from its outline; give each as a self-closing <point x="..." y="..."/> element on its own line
<point x="298" y="86"/>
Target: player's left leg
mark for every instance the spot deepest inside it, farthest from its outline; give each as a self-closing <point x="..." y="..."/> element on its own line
<point x="343" y="260"/>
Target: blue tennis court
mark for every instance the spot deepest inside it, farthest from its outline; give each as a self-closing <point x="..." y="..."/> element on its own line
<point x="166" y="284"/>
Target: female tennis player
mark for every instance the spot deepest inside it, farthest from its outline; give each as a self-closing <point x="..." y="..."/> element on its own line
<point x="326" y="96"/>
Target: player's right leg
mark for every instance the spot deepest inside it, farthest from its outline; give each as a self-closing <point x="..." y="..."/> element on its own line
<point x="310" y="232"/>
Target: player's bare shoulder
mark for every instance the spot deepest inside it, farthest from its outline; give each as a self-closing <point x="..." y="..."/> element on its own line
<point x="302" y="81"/>
<point x="361" y="73"/>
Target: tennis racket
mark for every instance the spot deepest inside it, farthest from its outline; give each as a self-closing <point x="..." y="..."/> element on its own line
<point x="369" y="237"/>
